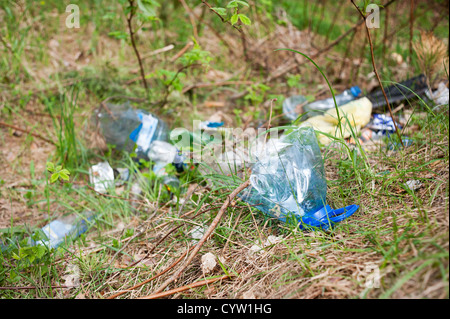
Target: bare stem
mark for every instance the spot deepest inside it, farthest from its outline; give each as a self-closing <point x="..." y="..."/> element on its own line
<point x="376" y="73"/>
<point x="133" y="43"/>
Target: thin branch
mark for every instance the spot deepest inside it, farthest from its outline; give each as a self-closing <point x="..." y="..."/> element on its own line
<point x="221" y="18"/>
<point x="376" y="72"/>
<point x="187" y="287"/>
<point x="153" y="277"/>
<point x="33" y="287"/>
<point x="167" y="92"/>
<point x="28" y="132"/>
<point x="191" y="17"/>
<point x="133" y="43"/>
<point x="205" y="236"/>
<point x="182" y="51"/>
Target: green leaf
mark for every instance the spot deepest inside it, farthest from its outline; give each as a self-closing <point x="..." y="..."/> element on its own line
<point x="242" y="3"/>
<point x="63" y="175"/>
<point x="65" y="171"/>
<point x="54" y="177"/>
<point x="118" y="35"/>
<point x="221" y="11"/>
<point x="148" y="7"/>
<point x="50" y="167"/>
<point x="39" y="250"/>
<point x="245" y="20"/>
<point x="232" y="4"/>
<point x="58" y="168"/>
<point x="115" y="243"/>
<point x="234" y="19"/>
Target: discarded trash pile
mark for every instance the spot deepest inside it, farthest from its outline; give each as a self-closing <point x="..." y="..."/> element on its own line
<point x="353" y="114"/>
<point x="287" y="179"/>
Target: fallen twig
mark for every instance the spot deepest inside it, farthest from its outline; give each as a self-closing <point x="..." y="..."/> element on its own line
<point x="187" y="287"/>
<point x="33" y="287"/>
<point x="153" y="277"/>
<point x="28" y="132"/>
<point x="223" y="83"/>
<point x="205" y="236"/>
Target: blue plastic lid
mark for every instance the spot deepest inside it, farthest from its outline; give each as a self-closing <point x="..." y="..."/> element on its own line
<point x="326" y="216"/>
<point x="215" y="124"/>
<point x="356" y="91"/>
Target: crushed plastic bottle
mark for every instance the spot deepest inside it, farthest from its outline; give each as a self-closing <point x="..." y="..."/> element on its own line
<point x="321" y="106"/>
<point x="65" y="228"/>
<point x="163" y="153"/>
<point x="289" y="181"/>
<point x="125" y="127"/>
<point x="291" y="106"/>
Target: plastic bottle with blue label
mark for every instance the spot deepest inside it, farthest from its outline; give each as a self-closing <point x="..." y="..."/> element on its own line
<point x="321" y="106"/>
<point x="292" y="111"/>
<point x="125" y="127"/>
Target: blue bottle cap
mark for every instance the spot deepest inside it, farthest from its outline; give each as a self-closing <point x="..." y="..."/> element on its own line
<point x="356" y="91"/>
<point x="327" y="216"/>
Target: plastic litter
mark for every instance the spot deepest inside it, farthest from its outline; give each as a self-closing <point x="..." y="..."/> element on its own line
<point x="101" y="176"/>
<point x="321" y="106"/>
<point x="164" y="153"/>
<point x="395" y="93"/>
<point x="440" y="96"/>
<point x="413" y="184"/>
<point x="356" y="113"/>
<point x="292" y="110"/>
<point x="212" y="126"/>
<point x="399" y="92"/>
<point x="63" y="229"/>
<point x="367" y="135"/>
<point x="383" y="124"/>
<point x="121" y="175"/>
<point x="290" y="182"/>
<point x="293" y="106"/>
<point x="124" y="127"/>
<point x="172" y="183"/>
<point x="395" y="146"/>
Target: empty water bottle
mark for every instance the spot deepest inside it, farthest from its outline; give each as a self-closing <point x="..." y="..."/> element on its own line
<point x="163" y="153"/>
<point x="288" y="182"/>
<point x="124" y="127"/>
<point x="321" y="106"/>
<point x="292" y="106"/>
<point x="65" y="228"/>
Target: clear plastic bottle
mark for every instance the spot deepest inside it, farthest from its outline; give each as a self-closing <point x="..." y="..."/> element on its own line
<point x="163" y="153"/>
<point x="288" y="182"/>
<point x="289" y="178"/>
<point x="65" y="228"/>
<point x="123" y="126"/>
<point x="321" y="106"/>
<point x="291" y="106"/>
